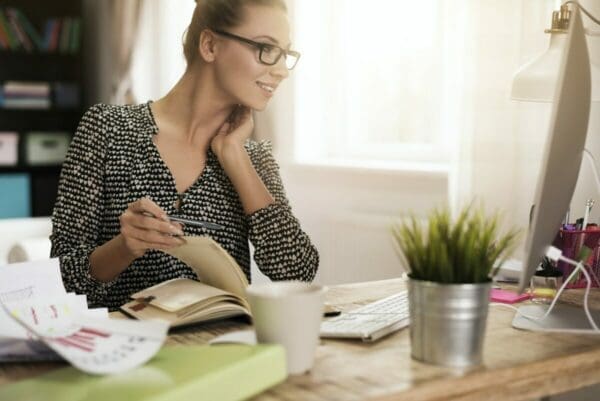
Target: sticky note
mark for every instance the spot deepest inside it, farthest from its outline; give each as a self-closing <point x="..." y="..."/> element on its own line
<point x="507" y="297"/>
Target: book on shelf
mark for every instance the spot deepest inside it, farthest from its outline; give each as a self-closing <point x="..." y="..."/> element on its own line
<point x="27" y="103"/>
<point x="64" y="35"/>
<point x="29" y="88"/>
<point x="28" y="27"/>
<point x="219" y="293"/>
<point x="6" y="33"/>
<point x="25" y="95"/>
<point x="51" y="34"/>
<point x="37" y="95"/>
<point x="17" y="32"/>
<point x="75" y="35"/>
<point x="66" y="95"/>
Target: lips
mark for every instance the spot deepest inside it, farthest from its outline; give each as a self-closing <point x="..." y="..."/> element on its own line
<point x="269" y="88"/>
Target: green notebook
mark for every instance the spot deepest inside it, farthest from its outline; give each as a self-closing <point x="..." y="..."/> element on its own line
<point x="216" y="373"/>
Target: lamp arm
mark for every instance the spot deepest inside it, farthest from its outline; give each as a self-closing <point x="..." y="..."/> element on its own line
<point x="583" y="10"/>
<point x="592" y="161"/>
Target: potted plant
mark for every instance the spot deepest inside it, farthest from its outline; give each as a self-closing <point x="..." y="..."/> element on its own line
<point x="451" y="265"/>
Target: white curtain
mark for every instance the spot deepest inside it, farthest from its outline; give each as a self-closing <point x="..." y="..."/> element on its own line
<point x="158" y="60"/>
<point x="125" y="18"/>
<point x="110" y="40"/>
<point x="497" y="143"/>
<point x="501" y="141"/>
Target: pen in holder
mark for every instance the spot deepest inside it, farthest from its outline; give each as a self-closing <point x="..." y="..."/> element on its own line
<point x="581" y="245"/>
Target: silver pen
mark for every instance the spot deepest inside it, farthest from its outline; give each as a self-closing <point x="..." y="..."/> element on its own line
<point x="197" y="223"/>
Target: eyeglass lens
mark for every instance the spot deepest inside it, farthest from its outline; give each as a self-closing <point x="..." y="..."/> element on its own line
<point x="271" y="55"/>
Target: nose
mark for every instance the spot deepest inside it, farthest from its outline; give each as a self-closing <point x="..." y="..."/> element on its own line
<point x="280" y="69"/>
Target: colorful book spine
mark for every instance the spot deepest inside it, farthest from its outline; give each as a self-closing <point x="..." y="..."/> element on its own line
<point x="4" y="42"/>
<point x="7" y="28"/>
<point x="76" y="35"/>
<point x="27" y="27"/>
<point x="53" y="45"/>
<point x="17" y="32"/>
<point x="20" y="33"/>
<point x="49" y="27"/>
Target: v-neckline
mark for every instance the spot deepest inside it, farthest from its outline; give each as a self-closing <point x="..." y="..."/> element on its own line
<point x="210" y="157"/>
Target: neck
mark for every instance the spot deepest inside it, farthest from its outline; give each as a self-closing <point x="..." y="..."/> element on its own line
<point x="194" y="108"/>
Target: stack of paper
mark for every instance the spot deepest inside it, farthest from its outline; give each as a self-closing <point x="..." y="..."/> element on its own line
<point x="39" y="320"/>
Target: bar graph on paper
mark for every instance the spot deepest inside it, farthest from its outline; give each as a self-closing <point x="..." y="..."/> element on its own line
<point x="39" y="320"/>
<point x="16" y="295"/>
<point x="81" y="345"/>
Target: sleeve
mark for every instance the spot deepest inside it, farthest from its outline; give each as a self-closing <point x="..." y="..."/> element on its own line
<point x="78" y="209"/>
<point x="282" y="250"/>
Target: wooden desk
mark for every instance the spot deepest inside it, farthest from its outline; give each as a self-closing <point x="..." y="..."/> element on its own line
<point x="518" y="365"/>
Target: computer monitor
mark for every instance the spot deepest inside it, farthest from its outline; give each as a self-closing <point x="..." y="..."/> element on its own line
<point x="564" y="148"/>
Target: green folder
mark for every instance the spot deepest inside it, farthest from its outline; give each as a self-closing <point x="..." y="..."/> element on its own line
<point x="216" y="372"/>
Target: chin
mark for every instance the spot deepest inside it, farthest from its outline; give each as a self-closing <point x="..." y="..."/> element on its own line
<point x="258" y="105"/>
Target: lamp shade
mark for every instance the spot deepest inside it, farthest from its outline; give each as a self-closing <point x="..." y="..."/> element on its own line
<point x="536" y="80"/>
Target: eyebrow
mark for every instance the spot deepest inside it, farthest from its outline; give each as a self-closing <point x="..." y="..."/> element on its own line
<point x="272" y="39"/>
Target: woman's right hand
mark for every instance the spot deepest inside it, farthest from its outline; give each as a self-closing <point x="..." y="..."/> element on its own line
<point x="145" y="226"/>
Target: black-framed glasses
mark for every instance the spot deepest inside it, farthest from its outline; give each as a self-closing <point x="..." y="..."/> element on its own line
<point x="269" y="54"/>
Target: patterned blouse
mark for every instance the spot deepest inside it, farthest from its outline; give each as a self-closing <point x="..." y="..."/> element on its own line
<point x="113" y="161"/>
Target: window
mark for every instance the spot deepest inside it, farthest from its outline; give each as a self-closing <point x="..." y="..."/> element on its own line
<point x="374" y="82"/>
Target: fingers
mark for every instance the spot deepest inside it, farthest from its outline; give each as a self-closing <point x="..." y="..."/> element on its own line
<point x="144" y="225"/>
<point x="152" y="239"/>
<point x="152" y="224"/>
<point x="146" y="205"/>
<point x="145" y="222"/>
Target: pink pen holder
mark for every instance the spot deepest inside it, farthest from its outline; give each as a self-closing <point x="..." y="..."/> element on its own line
<point x="571" y="244"/>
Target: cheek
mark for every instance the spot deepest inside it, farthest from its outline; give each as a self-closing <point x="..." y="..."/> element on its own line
<point x="238" y="75"/>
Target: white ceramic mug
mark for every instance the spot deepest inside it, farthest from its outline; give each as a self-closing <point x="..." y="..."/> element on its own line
<point x="289" y="313"/>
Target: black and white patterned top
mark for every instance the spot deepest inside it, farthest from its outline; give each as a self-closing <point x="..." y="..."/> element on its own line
<point x="113" y="161"/>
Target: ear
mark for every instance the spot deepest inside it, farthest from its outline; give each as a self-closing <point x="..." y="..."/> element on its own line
<point x="207" y="46"/>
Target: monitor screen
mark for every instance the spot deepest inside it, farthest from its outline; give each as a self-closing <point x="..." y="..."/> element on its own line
<point x="564" y="148"/>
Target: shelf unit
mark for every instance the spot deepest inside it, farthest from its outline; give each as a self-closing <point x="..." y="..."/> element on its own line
<point x="38" y="66"/>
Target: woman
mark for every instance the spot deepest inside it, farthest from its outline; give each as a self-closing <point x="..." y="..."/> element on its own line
<point x="187" y="154"/>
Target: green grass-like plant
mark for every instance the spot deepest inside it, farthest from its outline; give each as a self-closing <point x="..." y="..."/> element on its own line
<point x="462" y="251"/>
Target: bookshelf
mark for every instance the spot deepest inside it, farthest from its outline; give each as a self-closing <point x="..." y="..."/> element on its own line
<point x="46" y="62"/>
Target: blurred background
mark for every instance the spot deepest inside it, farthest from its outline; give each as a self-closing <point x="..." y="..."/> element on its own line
<point x="395" y="107"/>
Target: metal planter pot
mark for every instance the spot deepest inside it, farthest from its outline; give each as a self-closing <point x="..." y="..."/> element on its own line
<point x="447" y="322"/>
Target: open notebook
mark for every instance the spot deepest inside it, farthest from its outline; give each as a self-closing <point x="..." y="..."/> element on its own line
<point x="219" y="294"/>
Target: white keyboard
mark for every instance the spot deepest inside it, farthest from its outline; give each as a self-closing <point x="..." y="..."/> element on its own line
<point x="370" y="322"/>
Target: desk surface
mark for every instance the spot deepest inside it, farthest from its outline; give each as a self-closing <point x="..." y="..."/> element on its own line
<point x="518" y="365"/>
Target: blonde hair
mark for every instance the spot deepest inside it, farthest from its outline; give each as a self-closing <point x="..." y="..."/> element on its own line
<point x="217" y="15"/>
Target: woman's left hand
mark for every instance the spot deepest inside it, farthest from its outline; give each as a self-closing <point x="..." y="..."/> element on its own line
<point x="232" y="135"/>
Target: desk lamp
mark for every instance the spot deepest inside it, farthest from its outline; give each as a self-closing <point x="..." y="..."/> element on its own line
<point x="536" y="81"/>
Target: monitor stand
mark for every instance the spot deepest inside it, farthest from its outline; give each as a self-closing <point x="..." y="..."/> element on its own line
<point x="562" y="319"/>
